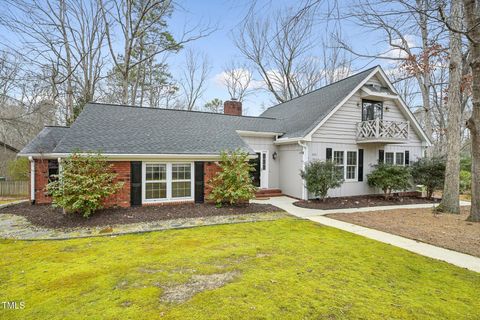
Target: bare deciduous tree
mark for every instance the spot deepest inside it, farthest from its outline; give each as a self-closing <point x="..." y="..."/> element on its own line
<point x="280" y="47"/>
<point x="194" y="76"/>
<point x="237" y="79"/>
<point x="451" y="191"/>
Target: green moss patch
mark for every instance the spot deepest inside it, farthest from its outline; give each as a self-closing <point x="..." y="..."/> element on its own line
<point x="283" y="269"/>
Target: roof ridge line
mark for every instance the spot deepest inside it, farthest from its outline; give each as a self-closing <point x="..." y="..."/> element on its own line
<point x="325" y="86"/>
<point x="182" y="110"/>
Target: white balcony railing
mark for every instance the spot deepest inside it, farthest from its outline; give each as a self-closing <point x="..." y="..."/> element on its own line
<point x="379" y="130"/>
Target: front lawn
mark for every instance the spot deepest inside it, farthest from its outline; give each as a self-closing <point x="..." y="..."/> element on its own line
<point x="283" y="269"/>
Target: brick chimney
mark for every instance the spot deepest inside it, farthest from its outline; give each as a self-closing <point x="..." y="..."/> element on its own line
<point x="232" y="107"/>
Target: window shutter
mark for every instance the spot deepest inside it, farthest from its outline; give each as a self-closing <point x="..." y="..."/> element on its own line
<point x="329" y="153"/>
<point x="135" y="183"/>
<point x="407" y="158"/>
<point x="360" y="164"/>
<point x="381" y="156"/>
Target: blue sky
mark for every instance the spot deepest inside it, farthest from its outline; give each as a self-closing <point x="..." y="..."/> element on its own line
<point x="220" y="48"/>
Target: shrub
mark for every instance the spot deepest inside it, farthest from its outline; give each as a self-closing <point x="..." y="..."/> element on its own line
<point x="465" y="181"/>
<point x="233" y="183"/>
<point x="389" y="177"/>
<point x="19" y="169"/>
<point x="466" y="164"/>
<point x="83" y="184"/>
<point x="429" y="172"/>
<point x="320" y="176"/>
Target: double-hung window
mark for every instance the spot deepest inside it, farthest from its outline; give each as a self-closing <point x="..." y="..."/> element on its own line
<point x="339" y="162"/>
<point x="155" y="181"/>
<point x="396" y="158"/>
<point x="181" y="180"/>
<point x="351" y="171"/>
<point x="346" y="162"/>
<point x="167" y="181"/>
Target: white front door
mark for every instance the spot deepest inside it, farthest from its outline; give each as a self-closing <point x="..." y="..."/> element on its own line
<point x="263" y="169"/>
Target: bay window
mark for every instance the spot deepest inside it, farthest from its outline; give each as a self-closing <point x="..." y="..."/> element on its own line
<point x="167" y="181"/>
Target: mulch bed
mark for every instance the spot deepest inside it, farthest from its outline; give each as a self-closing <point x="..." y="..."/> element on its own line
<point x="361" y="202"/>
<point x="49" y="217"/>
<point x="450" y="231"/>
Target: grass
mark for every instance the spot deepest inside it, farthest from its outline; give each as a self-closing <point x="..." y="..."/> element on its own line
<point x="284" y="269"/>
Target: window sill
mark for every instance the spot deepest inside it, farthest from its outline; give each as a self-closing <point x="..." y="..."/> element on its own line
<point x="168" y="200"/>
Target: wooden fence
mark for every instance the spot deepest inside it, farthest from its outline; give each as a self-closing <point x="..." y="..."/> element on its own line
<point x="14" y="188"/>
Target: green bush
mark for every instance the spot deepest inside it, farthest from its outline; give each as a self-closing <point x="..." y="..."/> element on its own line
<point x="465" y="181"/>
<point x="83" y="184"/>
<point x="389" y="177"/>
<point x="320" y="176"/>
<point x="429" y="172"/>
<point x="233" y="183"/>
<point x="19" y="169"/>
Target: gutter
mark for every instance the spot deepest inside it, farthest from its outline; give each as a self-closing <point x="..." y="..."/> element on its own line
<point x="304" y="162"/>
<point x="32" y="180"/>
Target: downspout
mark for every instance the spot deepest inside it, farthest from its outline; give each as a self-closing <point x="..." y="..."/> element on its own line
<point x="32" y="180"/>
<point x="304" y="162"/>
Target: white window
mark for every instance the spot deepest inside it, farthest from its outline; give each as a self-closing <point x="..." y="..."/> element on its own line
<point x="389" y="157"/>
<point x="399" y="159"/>
<point x="351" y="172"/>
<point x="396" y="158"/>
<point x="338" y="160"/>
<point x="349" y="167"/>
<point x="167" y="181"/>
<point x="181" y="180"/>
<point x="155" y="181"/>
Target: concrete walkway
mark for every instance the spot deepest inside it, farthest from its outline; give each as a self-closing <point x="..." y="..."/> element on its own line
<point x="456" y="258"/>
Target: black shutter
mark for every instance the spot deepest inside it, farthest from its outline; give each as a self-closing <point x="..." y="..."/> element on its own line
<point x="329" y="153"/>
<point x="360" y="164"/>
<point x="135" y="183"/>
<point x="381" y="156"/>
<point x="199" y="182"/>
<point x="407" y="158"/>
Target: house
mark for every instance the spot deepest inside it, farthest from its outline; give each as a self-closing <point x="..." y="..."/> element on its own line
<point x="7" y="153"/>
<point x="166" y="156"/>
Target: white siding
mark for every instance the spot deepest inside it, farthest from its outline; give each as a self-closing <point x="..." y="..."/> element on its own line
<point x="339" y="133"/>
<point x="290" y="159"/>
<point x="266" y="144"/>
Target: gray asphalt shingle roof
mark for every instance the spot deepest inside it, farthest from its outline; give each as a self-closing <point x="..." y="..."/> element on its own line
<point x="133" y="130"/>
<point x="45" y="141"/>
<point x="120" y="129"/>
<point x="303" y="113"/>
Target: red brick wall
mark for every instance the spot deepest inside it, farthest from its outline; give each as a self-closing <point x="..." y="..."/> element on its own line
<point x="120" y="199"/>
<point x="210" y="168"/>
<point x="41" y="181"/>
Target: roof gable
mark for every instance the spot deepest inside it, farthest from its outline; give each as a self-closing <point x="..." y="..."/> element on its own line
<point x="302" y="114"/>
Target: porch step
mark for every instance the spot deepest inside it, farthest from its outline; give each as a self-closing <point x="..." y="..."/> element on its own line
<point x="267" y="193"/>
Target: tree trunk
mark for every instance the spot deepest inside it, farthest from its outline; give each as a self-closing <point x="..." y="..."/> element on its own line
<point x="472" y="17"/>
<point x="451" y="191"/>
